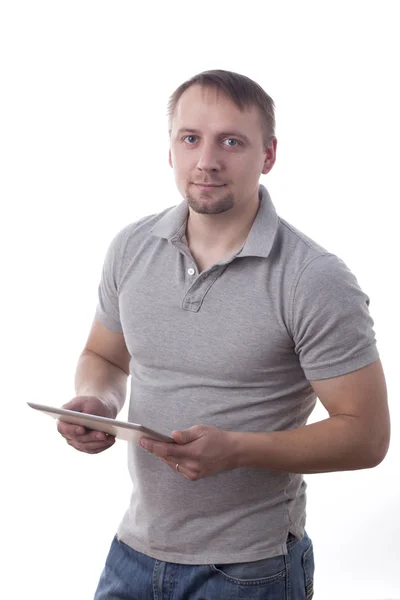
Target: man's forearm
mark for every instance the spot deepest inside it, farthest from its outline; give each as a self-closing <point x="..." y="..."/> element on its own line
<point x="339" y="443"/>
<point x="96" y="376"/>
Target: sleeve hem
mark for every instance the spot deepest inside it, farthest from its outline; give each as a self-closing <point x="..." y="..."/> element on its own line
<point x="369" y="356"/>
<point x="110" y="323"/>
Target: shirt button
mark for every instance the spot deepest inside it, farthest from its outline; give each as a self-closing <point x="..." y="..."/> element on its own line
<point x="191" y="271"/>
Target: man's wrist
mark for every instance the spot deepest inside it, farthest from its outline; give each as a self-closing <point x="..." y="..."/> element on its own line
<point x="249" y="449"/>
<point x="238" y="445"/>
<point x="112" y="405"/>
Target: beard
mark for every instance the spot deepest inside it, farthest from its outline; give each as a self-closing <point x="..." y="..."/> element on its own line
<point x="204" y="203"/>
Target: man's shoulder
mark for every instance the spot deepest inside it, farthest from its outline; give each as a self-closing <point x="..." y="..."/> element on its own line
<point x="298" y="239"/>
<point x="298" y="254"/>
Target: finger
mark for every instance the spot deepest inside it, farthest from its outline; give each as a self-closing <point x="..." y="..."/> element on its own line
<point x="95" y="446"/>
<point x="97" y="451"/>
<point x="186" y="436"/>
<point x="88" y="435"/>
<point x="69" y="430"/>
<point x="182" y="470"/>
<point x="92" y="436"/>
<point x="76" y="404"/>
<point x="92" y="447"/>
<point x="74" y="444"/>
<point x="168" y="450"/>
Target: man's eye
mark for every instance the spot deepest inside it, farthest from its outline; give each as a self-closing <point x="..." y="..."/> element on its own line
<point x="189" y="137"/>
<point x="232" y="140"/>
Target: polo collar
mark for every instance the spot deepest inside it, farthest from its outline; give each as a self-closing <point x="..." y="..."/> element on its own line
<point x="259" y="241"/>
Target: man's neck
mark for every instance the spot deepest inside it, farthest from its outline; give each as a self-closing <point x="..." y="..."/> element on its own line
<point x="224" y="233"/>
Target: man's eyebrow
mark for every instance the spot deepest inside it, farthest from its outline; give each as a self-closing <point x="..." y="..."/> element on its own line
<point x="231" y="133"/>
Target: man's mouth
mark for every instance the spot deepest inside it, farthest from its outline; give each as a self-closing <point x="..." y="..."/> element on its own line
<point x="209" y="185"/>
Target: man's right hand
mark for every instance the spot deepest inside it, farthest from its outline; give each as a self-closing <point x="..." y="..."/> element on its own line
<point x="81" y="438"/>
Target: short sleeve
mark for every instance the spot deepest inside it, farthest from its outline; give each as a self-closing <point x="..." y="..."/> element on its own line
<point x="331" y="325"/>
<point x="107" y="311"/>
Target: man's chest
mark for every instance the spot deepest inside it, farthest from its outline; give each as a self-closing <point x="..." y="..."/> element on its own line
<point x="218" y="324"/>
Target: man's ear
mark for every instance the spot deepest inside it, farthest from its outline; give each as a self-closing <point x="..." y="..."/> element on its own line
<point x="170" y="159"/>
<point x="270" y="156"/>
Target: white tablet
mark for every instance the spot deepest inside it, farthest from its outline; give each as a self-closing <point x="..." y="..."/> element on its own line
<point x="131" y="432"/>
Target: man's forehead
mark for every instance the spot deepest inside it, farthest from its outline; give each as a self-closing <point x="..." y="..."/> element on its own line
<point x="203" y="107"/>
<point x="207" y="98"/>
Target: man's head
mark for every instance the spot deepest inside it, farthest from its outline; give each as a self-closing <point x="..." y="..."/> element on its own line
<point x="222" y="132"/>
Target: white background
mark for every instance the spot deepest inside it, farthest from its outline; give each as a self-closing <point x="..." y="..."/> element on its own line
<point x="84" y="89"/>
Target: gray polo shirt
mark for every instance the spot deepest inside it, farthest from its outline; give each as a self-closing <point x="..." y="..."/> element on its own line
<point x="235" y="347"/>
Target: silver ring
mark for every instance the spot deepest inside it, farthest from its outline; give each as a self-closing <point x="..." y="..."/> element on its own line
<point x="177" y="467"/>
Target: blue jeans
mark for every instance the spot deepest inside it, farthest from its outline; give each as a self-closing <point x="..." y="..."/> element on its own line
<point x="131" y="575"/>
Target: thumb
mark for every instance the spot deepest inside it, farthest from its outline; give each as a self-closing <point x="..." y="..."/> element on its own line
<point x="76" y="404"/>
<point x="187" y="435"/>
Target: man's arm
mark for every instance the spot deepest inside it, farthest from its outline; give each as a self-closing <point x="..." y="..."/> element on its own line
<point x="355" y="436"/>
<point x="100" y="382"/>
<point x="103" y="367"/>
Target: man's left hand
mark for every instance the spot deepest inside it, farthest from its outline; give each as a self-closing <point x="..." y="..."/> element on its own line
<point x="199" y="452"/>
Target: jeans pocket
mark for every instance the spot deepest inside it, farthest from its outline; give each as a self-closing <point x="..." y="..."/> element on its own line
<point x="308" y="568"/>
<point x="260" y="572"/>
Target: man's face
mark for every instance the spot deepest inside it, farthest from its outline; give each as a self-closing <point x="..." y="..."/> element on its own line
<point x="215" y="144"/>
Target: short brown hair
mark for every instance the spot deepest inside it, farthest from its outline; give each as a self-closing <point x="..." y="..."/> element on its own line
<point x="243" y="91"/>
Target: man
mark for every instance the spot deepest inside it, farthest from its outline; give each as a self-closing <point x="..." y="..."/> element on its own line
<point x="230" y="322"/>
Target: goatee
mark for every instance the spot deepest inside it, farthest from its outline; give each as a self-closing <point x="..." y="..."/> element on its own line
<point x="203" y="206"/>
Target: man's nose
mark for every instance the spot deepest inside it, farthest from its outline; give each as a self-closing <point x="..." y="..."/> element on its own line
<point x="208" y="158"/>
